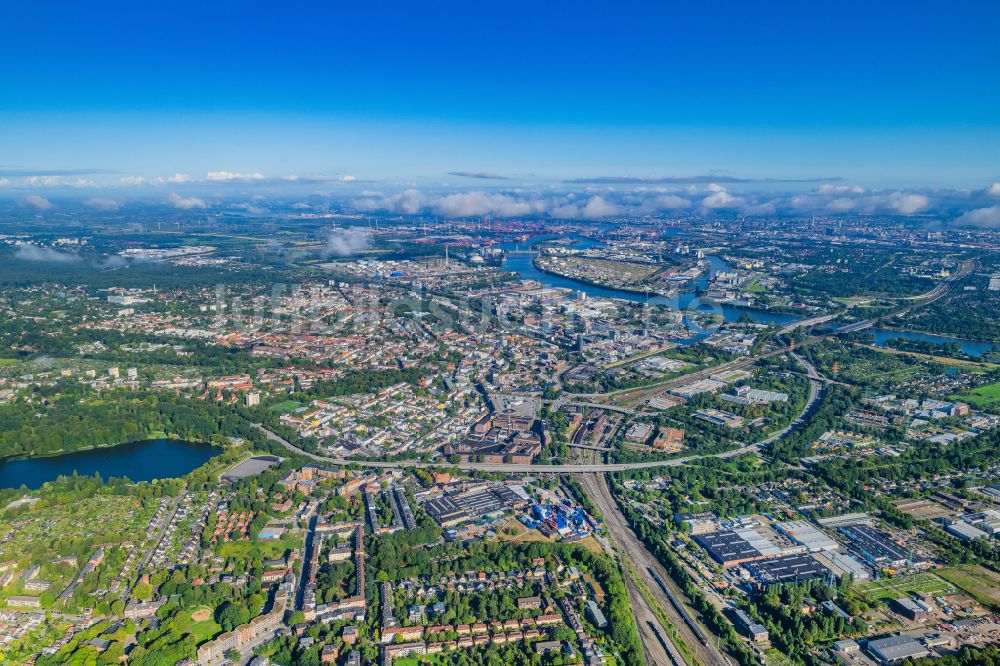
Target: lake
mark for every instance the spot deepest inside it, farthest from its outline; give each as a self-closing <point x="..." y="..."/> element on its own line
<point x="139" y="461"/>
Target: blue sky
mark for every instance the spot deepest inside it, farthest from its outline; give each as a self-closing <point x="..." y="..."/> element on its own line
<point x="879" y="93"/>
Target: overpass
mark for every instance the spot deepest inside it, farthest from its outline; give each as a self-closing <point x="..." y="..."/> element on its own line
<point x="594" y="405"/>
<point x="855" y="327"/>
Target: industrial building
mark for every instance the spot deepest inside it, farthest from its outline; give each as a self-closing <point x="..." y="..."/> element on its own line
<point x="836" y="522"/>
<point x="965" y="531"/>
<point x="910" y="609"/>
<point x="876" y="547"/>
<point x="895" y="649"/>
<point x="445" y="511"/>
<point x="728" y="548"/>
<point x="788" y="569"/>
<point x="805" y="534"/>
<point x="844" y="564"/>
<point x="456" y="508"/>
<point x="753" y="630"/>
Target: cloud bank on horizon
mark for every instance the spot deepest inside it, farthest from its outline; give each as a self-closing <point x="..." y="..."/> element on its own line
<point x="584" y="198"/>
<point x="966" y="207"/>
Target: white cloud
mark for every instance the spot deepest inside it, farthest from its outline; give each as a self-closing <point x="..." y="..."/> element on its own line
<point x="713" y="198"/>
<point x="407" y="202"/>
<point x="58" y="181"/>
<point x="595" y="207"/>
<point x="103" y="204"/>
<point x="27" y="252"/>
<point x="345" y="242"/>
<point x="43" y="181"/>
<point x="224" y="176"/>
<point x="177" y="178"/>
<point x="185" y="203"/>
<point x="250" y="208"/>
<point x="721" y="199"/>
<point x="132" y="180"/>
<point x="470" y="204"/>
<point x="663" y="202"/>
<point x="566" y="211"/>
<point x="908" y="204"/>
<point x="4" y="182"/>
<point x="36" y="201"/>
<point x="829" y="188"/>
<point x="993" y="190"/>
<point x="841" y="205"/>
<point x="598" y="207"/>
<point x="981" y="217"/>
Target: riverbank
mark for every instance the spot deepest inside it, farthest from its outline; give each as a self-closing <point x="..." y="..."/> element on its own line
<point x="971" y="348"/>
<point x="524" y="266"/>
<point x="943" y="336"/>
<point x="594" y="283"/>
<point x="985" y="366"/>
<point x="157" y="434"/>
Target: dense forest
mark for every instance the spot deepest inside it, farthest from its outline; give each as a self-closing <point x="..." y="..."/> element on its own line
<point x="70" y="422"/>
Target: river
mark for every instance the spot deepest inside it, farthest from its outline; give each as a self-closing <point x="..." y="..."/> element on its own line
<point x="970" y="347"/>
<point x="523" y="265"/>
<point x="139" y="461"/>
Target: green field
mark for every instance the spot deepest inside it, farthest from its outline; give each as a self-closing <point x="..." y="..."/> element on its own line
<point x="982" y="396"/>
<point x="775" y="658"/>
<point x="286" y="406"/>
<point x="9" y="361"/>
<point x="755" y="286"/>
<point x="205" y="630"/>
<point x="894" y="588"/>
<point x="247" y="549"/>
<point x="979" y="582"/>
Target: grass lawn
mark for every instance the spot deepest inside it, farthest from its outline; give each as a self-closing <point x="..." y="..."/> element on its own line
<point x="978" y="581"/>
<point x="9" y="361"/>
<point x="249" y="549"/>
<point x="286" y="406"/>
<point x="775" y="658"/>
<point x="852" y="301"/>
<point x="205" y="630"/>
<point x="982" y="396"/>
<point x="894" y="588"/>
<point x="592" y="544"/>
<point x="516" y="532"/>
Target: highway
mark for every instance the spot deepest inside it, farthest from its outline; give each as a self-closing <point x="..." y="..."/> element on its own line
<point x="556" y="404"/>
<point x="943" y="288"/>
<point x="816" y="381"/>
<point x="511" y="468"/>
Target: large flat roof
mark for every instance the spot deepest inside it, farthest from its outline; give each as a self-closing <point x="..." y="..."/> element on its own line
<point x="788" y="569"/>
